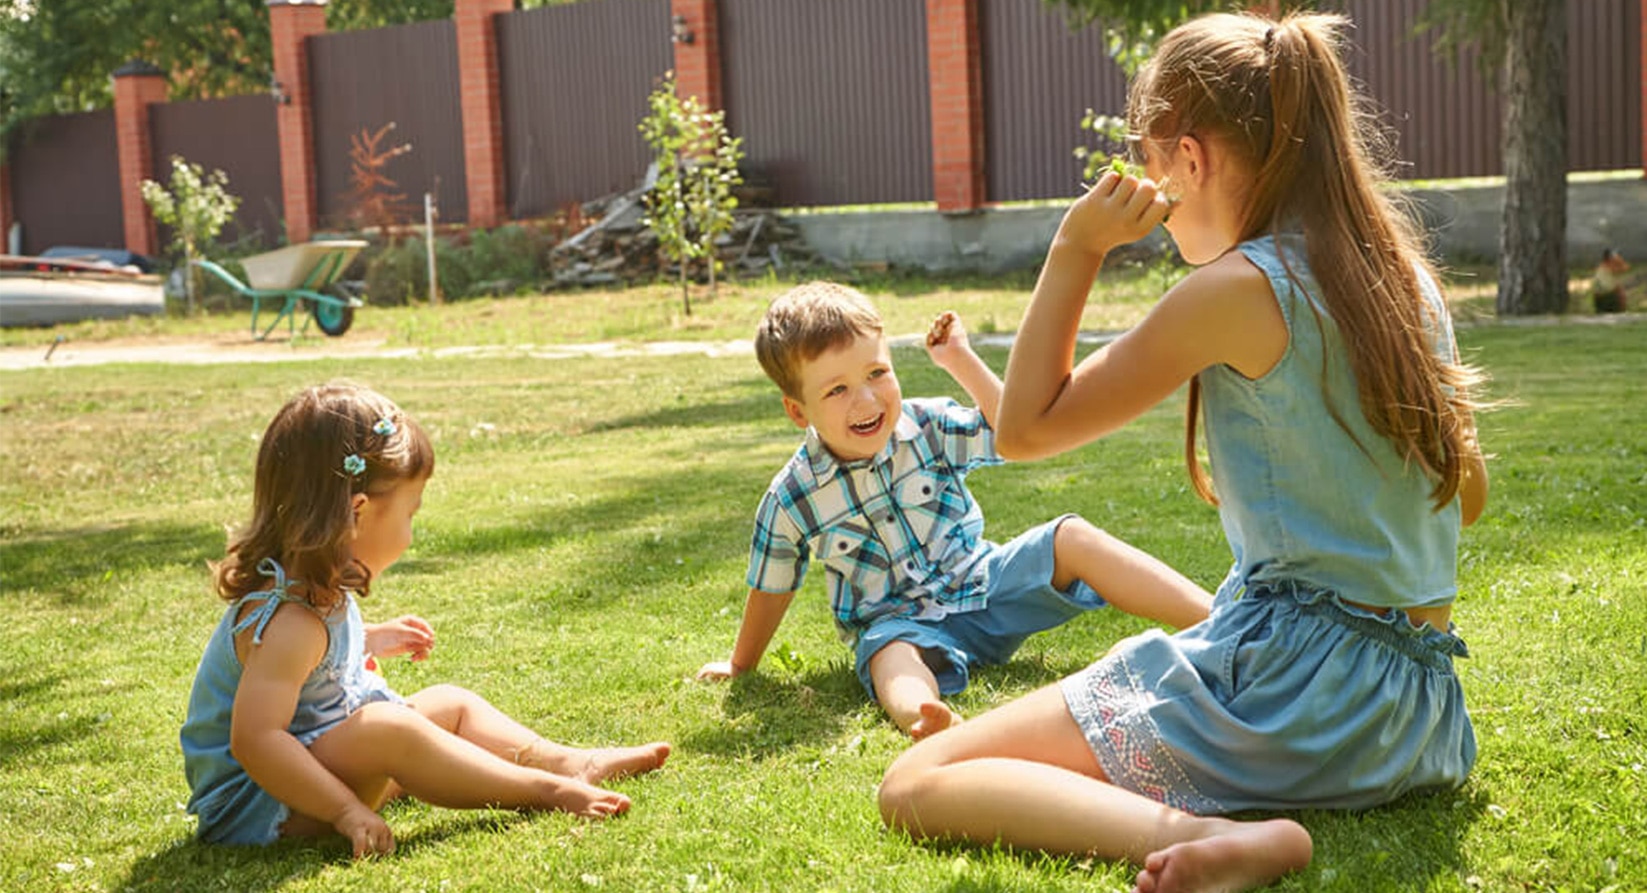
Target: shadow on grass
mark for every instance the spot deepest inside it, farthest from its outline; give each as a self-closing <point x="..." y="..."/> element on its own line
<point x="77" y="564"/>
<point x="191" y="865"/>
<point x="755" y="406"/>
<point x="18" y="742"/>
<point x="766" y="717"/>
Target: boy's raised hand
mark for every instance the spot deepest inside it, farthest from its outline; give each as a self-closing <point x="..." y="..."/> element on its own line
<point x="946" y="339"/>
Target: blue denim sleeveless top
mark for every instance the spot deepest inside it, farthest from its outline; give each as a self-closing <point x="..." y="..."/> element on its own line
<point x="231" y="807"/>
<point x="1299" y="499"/>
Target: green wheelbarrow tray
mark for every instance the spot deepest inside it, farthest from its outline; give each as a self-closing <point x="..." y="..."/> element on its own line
<point x="297" y="276"/>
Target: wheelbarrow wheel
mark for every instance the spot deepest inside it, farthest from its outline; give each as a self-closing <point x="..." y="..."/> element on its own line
<point x="333" y="319"/>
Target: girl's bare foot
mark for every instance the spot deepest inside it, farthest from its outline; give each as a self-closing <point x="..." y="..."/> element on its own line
<point x="1236" y="856"/>
<point x="935" y="717"/>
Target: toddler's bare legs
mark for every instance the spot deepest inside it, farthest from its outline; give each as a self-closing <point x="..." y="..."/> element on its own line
<point x="908" y="691"/>
<point x="384" y="748"/>
<point x="1127" y="577"/>
<point x="472" y="717"/>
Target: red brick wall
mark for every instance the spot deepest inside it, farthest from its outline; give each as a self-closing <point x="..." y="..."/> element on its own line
<point x="135" y="88"/>
<point x="290" y="24"/>
<point x="482" y="109"/>
<point x="956" y="82"/>
<point x="698" y="64"/>
<point x="6" y="214"/>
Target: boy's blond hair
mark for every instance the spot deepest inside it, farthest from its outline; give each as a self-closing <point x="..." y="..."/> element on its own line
<point x="806" y="321"/>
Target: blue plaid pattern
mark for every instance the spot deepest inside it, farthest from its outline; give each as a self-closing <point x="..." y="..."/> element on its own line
<point x="899" y="534"/>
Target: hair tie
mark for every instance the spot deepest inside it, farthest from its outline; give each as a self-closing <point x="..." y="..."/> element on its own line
<point x="354" y="465"/>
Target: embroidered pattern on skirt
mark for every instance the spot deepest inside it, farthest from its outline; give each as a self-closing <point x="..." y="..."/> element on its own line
<point x="1112" y="709"/>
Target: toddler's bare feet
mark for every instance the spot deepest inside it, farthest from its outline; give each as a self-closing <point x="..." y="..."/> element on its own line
<point x="590" y="802"/>
<point x="1237" y="856"/>
<point x="593" y="765"/>
<point x="935" y="717"/>
<point x="601" y="764"/>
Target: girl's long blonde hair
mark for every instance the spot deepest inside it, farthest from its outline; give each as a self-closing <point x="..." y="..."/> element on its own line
<point x="1276" y="95"/>
<point x="302" y="515"/>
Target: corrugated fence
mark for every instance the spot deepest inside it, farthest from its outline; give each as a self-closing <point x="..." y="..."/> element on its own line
<point x="830" y="98"/>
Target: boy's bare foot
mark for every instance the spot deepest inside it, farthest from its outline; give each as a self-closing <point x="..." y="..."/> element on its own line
<point x="1237" y="856"/>
<point x="935" y="717"/>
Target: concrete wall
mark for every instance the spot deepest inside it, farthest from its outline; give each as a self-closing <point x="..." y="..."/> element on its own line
<point x="1464" y="224"/>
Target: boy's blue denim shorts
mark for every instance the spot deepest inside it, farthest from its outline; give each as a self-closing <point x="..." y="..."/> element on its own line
<point x="1021" y="602"/>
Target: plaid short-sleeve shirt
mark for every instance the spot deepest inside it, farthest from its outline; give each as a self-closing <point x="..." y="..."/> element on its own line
<point x="898" y="533"/>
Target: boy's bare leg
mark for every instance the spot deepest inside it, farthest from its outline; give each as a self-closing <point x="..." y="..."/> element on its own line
<point x="908" y="691"/>
<point x="469" y="716"/>
<point x="1127" y="577"/>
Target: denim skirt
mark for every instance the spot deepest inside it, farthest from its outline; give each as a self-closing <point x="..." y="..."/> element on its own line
<point x="1285" y="697"/>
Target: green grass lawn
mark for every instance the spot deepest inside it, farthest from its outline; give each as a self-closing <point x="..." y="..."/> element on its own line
<point x="581" y="553"/>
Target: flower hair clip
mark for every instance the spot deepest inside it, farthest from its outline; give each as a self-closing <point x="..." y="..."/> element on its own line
<point x="384" y="427"/>
<point x="354" y="465"/>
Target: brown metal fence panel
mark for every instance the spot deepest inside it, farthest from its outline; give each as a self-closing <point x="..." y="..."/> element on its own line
<point x="1447" y="117"/>
<point x="1039" y="78"/>
<point x="237" y="136"/>
<point x="574" y="85"/>
<point x="406" y="75"/>
<point x="65" y="180"/>
<point x="830" y="97"/>
<point x="1603" y="85"/>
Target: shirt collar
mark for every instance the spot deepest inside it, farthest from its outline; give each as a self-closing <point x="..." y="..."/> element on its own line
<point x="824" y="465"/>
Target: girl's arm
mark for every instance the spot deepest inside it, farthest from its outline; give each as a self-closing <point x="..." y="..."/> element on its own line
<point x="1224" y="312"/>
<point x="951" y="351"/>
<point x="1472" y="490"/>
<point x="293" y="644"/>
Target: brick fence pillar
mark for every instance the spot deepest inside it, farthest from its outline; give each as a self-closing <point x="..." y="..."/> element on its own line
<point x="482" y="108"/>
<point x="696" y="31"/>
<point x="7" y="216"/>
<point x="291" y="23"/>
<point x="137" y="85"/>
<point x="955" y="79"/>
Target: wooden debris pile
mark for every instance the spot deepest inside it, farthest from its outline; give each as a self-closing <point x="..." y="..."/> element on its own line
<point x="618" y="248"/>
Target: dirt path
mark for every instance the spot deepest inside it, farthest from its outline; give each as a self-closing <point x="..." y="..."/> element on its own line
<point x="242" y="349"/>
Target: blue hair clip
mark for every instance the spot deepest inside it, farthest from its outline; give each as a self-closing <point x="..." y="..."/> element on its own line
<point x="354" y="465"/>
<point x="384" y="427"/>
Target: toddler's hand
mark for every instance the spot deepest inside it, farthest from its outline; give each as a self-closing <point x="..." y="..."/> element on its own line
<point x="716" y="671"/>
<point x="403" y="635"/>
<point x="366" y="831"/>
<point x="1117" y="210"/>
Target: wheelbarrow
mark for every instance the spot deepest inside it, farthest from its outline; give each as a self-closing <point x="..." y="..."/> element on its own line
<point x="301" y="276"/>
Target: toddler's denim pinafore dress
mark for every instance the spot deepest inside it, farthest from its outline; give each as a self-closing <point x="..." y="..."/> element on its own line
<point x="231" y="806"/>
<point x="1287" y="696"/>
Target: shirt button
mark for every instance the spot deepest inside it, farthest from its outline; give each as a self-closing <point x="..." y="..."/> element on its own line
<point x="887" y="519"/>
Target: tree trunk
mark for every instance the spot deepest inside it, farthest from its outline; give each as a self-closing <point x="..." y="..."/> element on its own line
<point x="1532" y="236"/>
